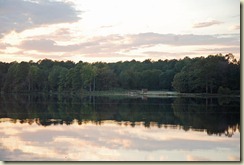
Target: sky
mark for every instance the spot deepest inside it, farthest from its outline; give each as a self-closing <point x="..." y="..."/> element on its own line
<point x="117" y="30"/>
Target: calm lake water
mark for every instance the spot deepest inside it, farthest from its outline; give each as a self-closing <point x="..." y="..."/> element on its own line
<point x="37" y="127"/>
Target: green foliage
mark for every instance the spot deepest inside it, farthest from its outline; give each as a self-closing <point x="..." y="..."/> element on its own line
<point x="88" y="74"/>
<point x="206" y="75"/>
<point x="3" y="73"/>
<point x="180" y="82"/>
<point x="197" y="75"/>
<point x="128" y="79"/>
<point x="33" y="77"/>
<point x="16" y="77"/>
<point x="106" y="79"/>
<point x="62" y="84"/>
<point x="150" y="79"/>
<point x="53" y="77"/>
<point x="166" y="78"/>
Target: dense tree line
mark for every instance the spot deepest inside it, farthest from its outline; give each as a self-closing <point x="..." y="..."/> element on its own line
<point x="212" y="74"/>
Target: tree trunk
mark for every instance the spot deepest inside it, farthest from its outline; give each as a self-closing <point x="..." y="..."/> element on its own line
<point x="29" y="85"/>
<point x="206" y="104"/>
<point x="211" y="87"/>
<point x="94" y="84"/>
<point x="206" y="86"/>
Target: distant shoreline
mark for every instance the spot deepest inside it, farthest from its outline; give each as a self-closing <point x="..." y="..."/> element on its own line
<point x="158" y="94"/>
<point x="131" y="93"/>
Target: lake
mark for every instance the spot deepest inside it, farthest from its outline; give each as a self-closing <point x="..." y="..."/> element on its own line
<point x="72" y="128"/>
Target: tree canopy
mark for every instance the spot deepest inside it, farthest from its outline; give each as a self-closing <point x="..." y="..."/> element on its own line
<point x="212" y="74"/>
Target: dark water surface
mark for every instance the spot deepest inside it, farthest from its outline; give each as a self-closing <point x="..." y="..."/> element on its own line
<point x="39" y="127"/>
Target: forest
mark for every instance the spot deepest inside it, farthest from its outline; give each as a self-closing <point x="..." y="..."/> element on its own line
<point x="212" y="74"/>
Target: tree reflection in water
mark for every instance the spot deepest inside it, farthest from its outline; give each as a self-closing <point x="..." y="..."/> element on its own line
<point x="213" y="115"/>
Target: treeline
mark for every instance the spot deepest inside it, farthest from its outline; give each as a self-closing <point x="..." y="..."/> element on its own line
<point x="213" y="74"/>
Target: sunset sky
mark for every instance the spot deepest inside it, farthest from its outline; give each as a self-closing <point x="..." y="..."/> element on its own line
<point x="117" y="30"/>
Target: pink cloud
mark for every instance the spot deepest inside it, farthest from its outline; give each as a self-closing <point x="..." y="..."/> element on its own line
<point x="233" y="158"/>
<point x="206" y="24"/>
<point x="196" y="158"/>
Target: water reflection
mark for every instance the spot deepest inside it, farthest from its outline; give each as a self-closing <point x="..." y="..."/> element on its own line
<point x="39" y="127"/>
<point x="110" y="141"/>
<point x="213" y="115"/>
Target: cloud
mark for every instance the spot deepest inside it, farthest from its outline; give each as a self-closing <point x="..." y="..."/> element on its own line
<point x="206" y="24"/>
<point x="128" y="46"/>
<point x="234" y="158"/>
<point x="107" y="26"/>
<point x="184" y="39"/>
<point x="196" y="158"/>
<point x="96" y="45"/>
<point x="114" y="43"/>
<point x="113" y="55"/>
<point x="169" y="55"/>
<point x="12" y="155"/>
<point x="18" y="15"/>
<point x="63" y="32"/>
<point x="235" y="27"/>
<point x="234" y="49"/>
<point x="46" y="45"/>
<point x="4" y="45"/>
